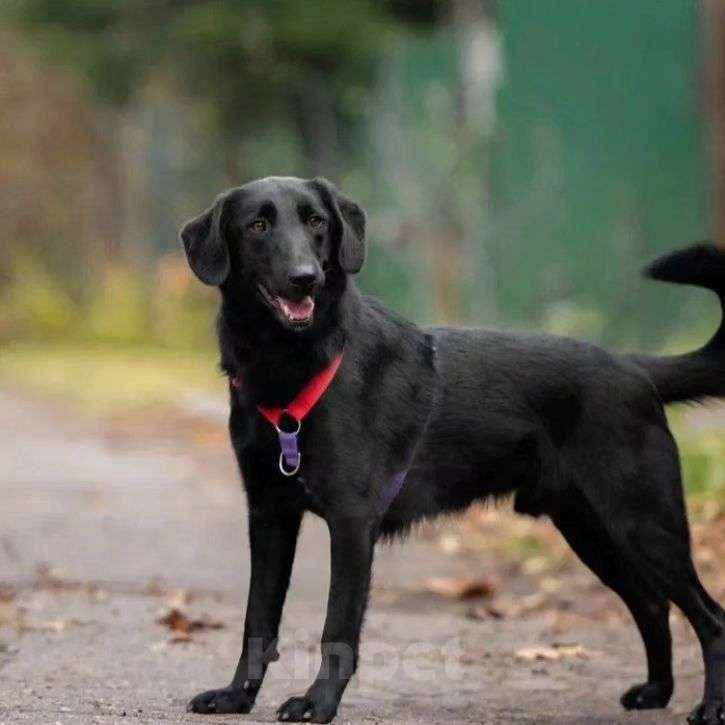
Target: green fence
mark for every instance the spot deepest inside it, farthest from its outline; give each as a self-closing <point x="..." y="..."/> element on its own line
<point x="596" y="162"/>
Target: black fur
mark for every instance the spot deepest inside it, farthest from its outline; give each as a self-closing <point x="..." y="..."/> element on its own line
<point x="701" y="373"/>
<point x="571" y="431"/>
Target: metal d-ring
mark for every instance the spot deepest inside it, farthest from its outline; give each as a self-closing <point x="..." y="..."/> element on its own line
<point x="289" y="432"/>
<point x="284" y="471"/>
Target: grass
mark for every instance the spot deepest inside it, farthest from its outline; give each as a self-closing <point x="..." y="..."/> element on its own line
<point x="702" y="457"/>
<point x="108" y="379"/>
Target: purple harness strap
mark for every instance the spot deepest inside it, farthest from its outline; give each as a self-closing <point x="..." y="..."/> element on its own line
<point x="290" y="452"/>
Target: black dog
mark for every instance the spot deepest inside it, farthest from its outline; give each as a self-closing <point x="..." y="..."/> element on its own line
<point x="419" y="422"/>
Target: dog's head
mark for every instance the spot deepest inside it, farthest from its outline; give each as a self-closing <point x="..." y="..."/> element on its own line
<point x="282" y="242"/>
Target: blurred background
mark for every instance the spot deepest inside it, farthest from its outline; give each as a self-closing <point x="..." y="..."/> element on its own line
<point x="520" y="160"/>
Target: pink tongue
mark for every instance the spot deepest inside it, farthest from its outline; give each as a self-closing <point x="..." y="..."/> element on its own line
<point x="301" y="310"/>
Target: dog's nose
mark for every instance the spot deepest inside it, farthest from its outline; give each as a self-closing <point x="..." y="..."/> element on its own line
<point x="304" y="276"/>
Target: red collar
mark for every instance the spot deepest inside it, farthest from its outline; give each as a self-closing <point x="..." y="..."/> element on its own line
<point x="306" y="399"/>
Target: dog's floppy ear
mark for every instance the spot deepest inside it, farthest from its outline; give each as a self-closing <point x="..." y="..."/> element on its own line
<point x="205" y="246"/>
<point x="349" y="220"/>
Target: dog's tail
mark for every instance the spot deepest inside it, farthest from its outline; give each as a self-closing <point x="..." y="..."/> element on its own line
<point x="701" y="373"/>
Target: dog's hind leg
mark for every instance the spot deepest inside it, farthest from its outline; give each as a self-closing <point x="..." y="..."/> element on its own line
<point x="645" y="516"/>
<point x="665" y="560"/>
<point x="589" y="539"/>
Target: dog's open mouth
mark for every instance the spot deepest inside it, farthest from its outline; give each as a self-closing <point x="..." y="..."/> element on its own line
<point x="295" y="313"/>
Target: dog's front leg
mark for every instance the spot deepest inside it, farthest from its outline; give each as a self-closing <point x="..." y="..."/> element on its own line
<point x="352" y="540"/>
<point x="272" y="539"/>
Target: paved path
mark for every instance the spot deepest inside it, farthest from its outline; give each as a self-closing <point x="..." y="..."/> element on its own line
<point x="101" y="531"/>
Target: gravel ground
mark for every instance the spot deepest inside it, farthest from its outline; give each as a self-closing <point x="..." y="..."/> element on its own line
<point x="103" y="529"/>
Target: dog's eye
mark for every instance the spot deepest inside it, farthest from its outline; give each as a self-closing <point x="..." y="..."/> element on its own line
<point x="316" y="221"/>
<point x="258" y="226"/>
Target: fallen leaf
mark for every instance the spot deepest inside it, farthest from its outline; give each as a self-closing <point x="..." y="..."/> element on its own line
<point x="460" y="588"/>
<point x="178" y="622"/>
<point x="557" y="651"/>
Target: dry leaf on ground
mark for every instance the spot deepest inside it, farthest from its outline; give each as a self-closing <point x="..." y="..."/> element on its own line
<point x="554" y="652"/>
<point x="460" y="588"/>
<point x="179" y="623"/>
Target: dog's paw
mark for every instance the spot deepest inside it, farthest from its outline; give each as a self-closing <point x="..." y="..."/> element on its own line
<point x="308" y="709"/>
<point x="226" y="700"/>
<point x="648" y="696"/>
<point x="708" y="712"/>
